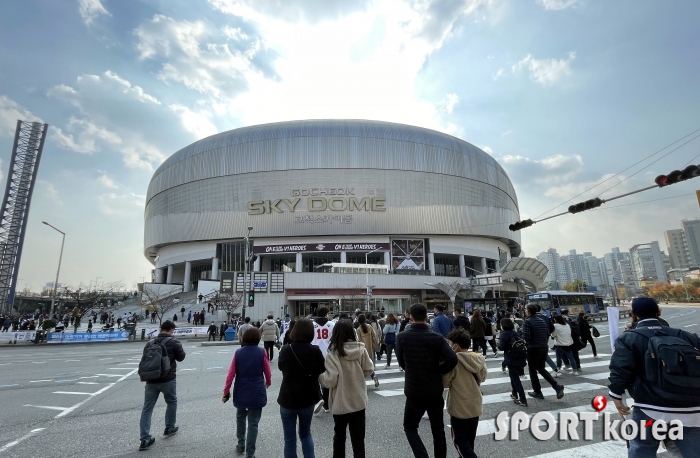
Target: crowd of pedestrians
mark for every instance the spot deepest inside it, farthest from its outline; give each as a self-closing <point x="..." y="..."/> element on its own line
<point x="325" y="362"/>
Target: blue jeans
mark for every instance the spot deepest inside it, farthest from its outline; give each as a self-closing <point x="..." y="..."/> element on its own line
<point x="647" y="448"/>
<point x="153" y="390"/>
<point x="247" y="441"/>
<point x="565" y="352"/>
<point x="289" y="427"/>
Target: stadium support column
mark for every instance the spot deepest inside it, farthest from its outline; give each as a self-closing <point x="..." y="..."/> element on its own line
<point x="215" y="268"/>
<point x="299" y="266"/>
<point x="483" y="266"/>
<point x="462" y="270"/>
<point x="387" y="259"/>
<point x="169" y="277"/>
<point x="159" y="275"/>
<point x="343" y="257"/>
<point x="188" y="274"/>
<point x="431" y="263"/>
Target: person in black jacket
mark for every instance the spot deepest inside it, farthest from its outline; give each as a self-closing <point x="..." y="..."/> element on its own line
<point x="212" y="332"/>
<point x="405" y="321"/>
<point x="460" y="320"/>
<point x="425" y="356"/>
<point x="166" y="385"/>
<point x="222" y="330"/>
<point x="585" y="330"/>
<point x="516" y="366"/>
<point x="536" y="336"/>
<point x="301" y="363"/>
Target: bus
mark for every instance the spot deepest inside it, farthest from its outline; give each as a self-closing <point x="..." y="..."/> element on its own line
<point x="346" y="268"/>
<point x="563" y="300"/>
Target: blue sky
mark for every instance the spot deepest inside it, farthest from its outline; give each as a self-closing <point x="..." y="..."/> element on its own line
<point x="563" y="93"/>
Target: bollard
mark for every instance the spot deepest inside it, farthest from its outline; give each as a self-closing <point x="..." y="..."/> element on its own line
<point x="143" y="334"/>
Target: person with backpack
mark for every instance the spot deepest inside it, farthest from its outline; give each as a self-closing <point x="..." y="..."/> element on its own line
<point x="391" y="329"/>
<point x="515" y="359"/>
<point x="664" y="388"/>
<point x="157" y="368"/>
<point x="251" y="370"/>
<point x="464" y="399"/>
<point x="586" y="335"/>
<point x="575" y="336"/>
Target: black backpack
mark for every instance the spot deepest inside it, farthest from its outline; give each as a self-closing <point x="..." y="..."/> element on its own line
<point x="518" y="349"/>
<point x="155" y="362"/>
<point x="671" y="364"/>
<point x="576" y="334"/>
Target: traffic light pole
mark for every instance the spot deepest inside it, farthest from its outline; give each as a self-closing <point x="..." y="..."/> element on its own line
<point x="245" y="273"/>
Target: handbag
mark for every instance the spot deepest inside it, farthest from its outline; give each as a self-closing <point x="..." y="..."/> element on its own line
<point x="595" y="332"/>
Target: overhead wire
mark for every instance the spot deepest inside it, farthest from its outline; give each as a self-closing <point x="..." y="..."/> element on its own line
<point x="621" y="171"/>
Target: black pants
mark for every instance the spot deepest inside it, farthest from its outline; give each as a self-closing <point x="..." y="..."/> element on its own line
<point x="355" y="421"/>
<point x="463" y="434"/>
<point x="492" y="342"/>
<point x="415" y="407"/>
<point x="516" y="385"/>
<point x="212" y="336"/>
<point x="325" y="392"/>
<point x="270" y="349"/>
<point x="590" y="340"/>
<point x="536" y="358"/>
<point x="478" y="342"/>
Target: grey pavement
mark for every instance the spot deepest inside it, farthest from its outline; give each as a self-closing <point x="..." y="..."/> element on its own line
<point x="84" y="400"/>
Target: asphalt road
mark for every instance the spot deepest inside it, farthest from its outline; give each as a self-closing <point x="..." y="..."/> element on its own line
<point x="85" y="401"/>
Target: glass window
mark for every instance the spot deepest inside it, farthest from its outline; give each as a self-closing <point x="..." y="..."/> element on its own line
<point x="312" y="260"/>
<point x="283" y="263"/>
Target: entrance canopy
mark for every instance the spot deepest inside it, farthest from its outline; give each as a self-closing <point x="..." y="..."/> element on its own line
<point x="530" y="270"/>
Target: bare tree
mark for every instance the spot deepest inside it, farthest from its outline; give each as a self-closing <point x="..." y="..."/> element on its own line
<point x="230" y="302"/>
<point x="351" y="298"/>
<point x="159" y="301"/>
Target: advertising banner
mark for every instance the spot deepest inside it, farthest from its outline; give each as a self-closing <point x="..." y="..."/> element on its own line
<point x="321" y="247"/>
<point x="614" y="324"/>
<point x="66" y="337"/>
<point x="189" y="331"/>
<point x="23" y="336"/>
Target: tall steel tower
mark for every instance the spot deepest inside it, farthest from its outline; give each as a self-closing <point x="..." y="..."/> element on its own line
<point x="24" y="165"/>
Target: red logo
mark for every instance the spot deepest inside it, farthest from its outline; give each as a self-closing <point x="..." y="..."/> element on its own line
<point x="599" y="403"/>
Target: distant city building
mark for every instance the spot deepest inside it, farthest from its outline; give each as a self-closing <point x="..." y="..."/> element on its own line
<point x="677" y="248"/>
<point x="647" y="263"/>
<point x="691" y="230"/>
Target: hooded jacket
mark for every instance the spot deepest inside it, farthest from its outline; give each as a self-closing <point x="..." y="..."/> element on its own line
<point x="345" y="377"/>
<point x="368" y="338"/>
<point x="269" y="331"/>
<point x="464" y="399"/>
<point x="562" y="335"/>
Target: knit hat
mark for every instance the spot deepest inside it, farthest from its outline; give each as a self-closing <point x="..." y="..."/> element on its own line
<point x="645" y="307"/>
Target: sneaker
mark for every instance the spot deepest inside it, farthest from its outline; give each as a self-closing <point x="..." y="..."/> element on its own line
<point x="503" y="369"/>
<point x="512" y="396"/>
<point x="496" y="354"/>
<point x="596" y="357"/>
<point x="574" y="373"/>
<point x="386" y="367"/>
<point x="401" y="369"/>
<point x="520" y="403"/>
<point x="325" y="410"/>
<point x="240" y="448"/>
<point x="319" y="406"/>
<point x="146" y="444"/>
<point x="376" y="382"/>
<point x="557" y="374"/>
<point x="171" y="431"/>
<point x="425" y="416"/>
<point x="560" y="391"/>
<point x="532" y="394"/>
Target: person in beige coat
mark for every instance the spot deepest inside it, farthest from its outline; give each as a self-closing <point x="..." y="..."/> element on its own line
<point x="347" y="365"/>
<point x="464" y="400"/>
<point x="366" y="335"/>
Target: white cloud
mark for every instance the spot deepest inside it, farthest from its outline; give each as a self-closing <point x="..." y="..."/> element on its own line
<point x="196" y="122"/>
<point x="310" y="11"/>
<point x="546" y="71"/>
<point x="48" y="191"/>
<point x="553" y="169"/>
<point x="557" y="4"/>
<point x="90" y="9"/>
<point x="448" y="104"/>
<point x="234" y="33"/>
<point x="571" y="189"/>
<point x="121" y="204"/>
<point x="498" y="74"/>
<point x="487" y="149"/>
<point x="107" y="182"/>
<point x="10" y="112"/>
<point x="109" y="100"/>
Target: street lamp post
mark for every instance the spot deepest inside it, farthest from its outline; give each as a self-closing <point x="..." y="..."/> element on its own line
<point x="245" y="272"/>
<point x="367" y="292"/>
<point x="60" y="257"/>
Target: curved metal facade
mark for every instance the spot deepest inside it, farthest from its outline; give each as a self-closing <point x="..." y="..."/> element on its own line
<point x="430" y="183"/>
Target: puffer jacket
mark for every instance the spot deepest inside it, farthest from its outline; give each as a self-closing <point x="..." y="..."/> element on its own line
<point x="464" y="399"/>
<point x="562" y="335"/>
<point x="345" y="378"/>
<point x="269" y="331"/>
<point x="176" y="354"/>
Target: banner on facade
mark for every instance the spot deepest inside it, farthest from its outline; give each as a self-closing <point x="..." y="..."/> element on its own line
<point x="189" y="331"/>
<point x="320" y="247"/>
<point x="67" y="337"/>
<point x="23" y="336"/>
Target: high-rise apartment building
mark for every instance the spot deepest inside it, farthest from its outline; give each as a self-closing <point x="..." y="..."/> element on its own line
<point x="691" y="230"/>
<point x="677" y="248"/>
<point x="647" y="263"/>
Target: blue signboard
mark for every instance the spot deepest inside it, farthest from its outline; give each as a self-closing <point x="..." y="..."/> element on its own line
<point x="66" y="337"/>
<point x="259" y="284"/>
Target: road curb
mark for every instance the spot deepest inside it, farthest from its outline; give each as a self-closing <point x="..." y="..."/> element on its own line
<point x="218" y="344"/>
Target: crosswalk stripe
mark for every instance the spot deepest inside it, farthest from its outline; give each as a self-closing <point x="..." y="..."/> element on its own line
<point x="577" y="387"/>
<point x="610" y="449"/>
<point x="599" y="376"/>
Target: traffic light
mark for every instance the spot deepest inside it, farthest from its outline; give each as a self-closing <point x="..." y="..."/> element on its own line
<point x="521" y="225"/>
<point x="587" y="205"/>
<point x="691" y="171"/>
<point x="251" y="299"/>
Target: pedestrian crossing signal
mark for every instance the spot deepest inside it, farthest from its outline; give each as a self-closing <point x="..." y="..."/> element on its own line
<point x="251" y="299"/>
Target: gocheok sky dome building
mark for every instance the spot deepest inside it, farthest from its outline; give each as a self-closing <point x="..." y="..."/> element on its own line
<point x="325" y="198"/>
